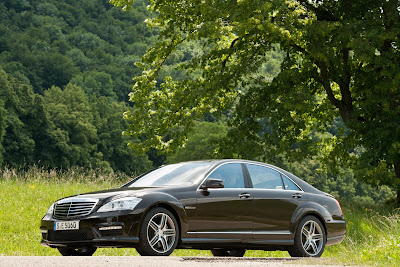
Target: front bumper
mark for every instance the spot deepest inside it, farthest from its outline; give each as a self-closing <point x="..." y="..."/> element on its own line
<point x="108" y="230"/>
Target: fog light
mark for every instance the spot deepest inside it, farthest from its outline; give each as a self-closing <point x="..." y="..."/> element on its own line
<point x="110" y="228"/>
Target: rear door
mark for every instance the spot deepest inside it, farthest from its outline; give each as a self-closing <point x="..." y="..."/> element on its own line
<point x="276" y="197"/>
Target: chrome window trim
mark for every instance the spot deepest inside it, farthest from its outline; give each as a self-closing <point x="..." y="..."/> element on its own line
<point x="253" y="163"/>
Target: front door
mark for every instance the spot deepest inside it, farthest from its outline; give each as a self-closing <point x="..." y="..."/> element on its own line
<point x="225" y="214"/>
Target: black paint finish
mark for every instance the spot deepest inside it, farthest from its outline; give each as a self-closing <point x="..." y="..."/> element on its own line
<point x="247" y="217"/>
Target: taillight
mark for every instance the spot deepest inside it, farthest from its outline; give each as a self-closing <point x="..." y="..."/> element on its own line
<point x="337" y="202"/>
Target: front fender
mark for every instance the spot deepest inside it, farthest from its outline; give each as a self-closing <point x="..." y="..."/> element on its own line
<point x="167" y="201"/>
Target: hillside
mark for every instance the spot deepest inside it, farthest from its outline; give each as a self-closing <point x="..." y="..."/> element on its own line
<point x="66" y="69"/>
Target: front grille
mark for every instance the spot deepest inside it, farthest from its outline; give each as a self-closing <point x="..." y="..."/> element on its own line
<point x="73" y="208"/>
<point x="70" y="235"/>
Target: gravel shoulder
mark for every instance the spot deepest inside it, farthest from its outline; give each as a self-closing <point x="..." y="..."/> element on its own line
<point x="119" y="261"/>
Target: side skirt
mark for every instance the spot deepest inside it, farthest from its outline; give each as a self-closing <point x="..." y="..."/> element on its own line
<point x="265" y="240"/>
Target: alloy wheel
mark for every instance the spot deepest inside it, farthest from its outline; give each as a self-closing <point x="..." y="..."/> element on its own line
<point x="161" y="232"/>
<point x="312" y="238"/>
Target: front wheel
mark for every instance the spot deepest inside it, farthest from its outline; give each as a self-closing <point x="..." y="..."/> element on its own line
<point x="228" y="253"/>
<point x="84" y="251"/>
<point x="158" y="234"/>
<point x="310" y="238"/>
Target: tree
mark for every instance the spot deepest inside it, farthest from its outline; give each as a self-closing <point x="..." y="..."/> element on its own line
<point x="50" y="42"/>
<point x="18" y="99"/>
<point x="72" y="135"/>
<point x="95" y="84"/>
<point x="202" y="142"/>
<point x="109" y="123"/>
<point x="342" y="60"/>
<point x="57" y="70"/>
<point x="2" y="130"/>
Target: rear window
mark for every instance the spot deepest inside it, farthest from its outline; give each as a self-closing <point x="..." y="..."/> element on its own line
<point x="264" y="178"/>
<point x="289" y="184"/>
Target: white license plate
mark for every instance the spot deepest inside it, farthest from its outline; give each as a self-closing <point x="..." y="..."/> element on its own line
<point x="67" y="225"/>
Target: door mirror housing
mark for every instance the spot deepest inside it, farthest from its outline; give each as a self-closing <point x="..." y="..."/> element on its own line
<point x="212" y="183"/>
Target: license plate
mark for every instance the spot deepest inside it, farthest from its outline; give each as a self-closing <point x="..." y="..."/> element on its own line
<point x="68" y="225"/>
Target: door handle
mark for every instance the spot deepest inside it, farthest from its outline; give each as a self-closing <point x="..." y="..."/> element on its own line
<point x="296" y="195"/>
<point x="244" y="195"/>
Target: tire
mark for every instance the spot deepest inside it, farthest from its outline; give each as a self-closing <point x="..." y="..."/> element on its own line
<point x="158" y="233"/>
<point x="310" y="238"/>
<point x="228" y="253"/>
<point x="84" y="251"/>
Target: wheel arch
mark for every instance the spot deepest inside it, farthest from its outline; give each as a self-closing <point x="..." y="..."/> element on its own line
<point x="144" y="246"/>
<point x="298" y="249"/>
<point x="310" y="209"/>
<point x="169" y="207"/>
<point x="172" y="205"/>
<point x="319" y="217"/>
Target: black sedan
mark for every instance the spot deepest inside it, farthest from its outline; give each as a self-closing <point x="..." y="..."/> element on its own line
<point x="226" y="206"/>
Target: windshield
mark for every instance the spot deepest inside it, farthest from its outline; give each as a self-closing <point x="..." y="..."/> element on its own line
<point x="180" y="174"/>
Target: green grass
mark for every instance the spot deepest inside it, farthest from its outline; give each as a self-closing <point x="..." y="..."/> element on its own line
<point x="373" y="236"/>
<point x="373" y="232"/>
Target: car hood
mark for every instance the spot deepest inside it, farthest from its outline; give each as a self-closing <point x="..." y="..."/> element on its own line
<point x="106" y="195"/>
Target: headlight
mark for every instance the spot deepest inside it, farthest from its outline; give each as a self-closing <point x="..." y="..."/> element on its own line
<point x="50" y="210"/>
<point x="126" y="203"/>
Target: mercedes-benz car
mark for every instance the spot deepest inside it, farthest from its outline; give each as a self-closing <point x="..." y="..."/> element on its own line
<point x="226" y="206"/>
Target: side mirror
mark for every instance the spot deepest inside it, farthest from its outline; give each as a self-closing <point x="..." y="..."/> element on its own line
<point x="212" y="183"/>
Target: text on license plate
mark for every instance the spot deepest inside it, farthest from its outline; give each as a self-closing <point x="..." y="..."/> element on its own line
<point x="68" y="225"/>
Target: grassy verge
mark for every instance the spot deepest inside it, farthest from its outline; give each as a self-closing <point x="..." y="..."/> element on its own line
<point x="373" y="232"/>
<point x="373" y="236"/>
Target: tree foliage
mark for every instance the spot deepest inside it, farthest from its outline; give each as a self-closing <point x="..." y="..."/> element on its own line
<point x="341" y="61"/>
<point x="49" y="43"/>
<point x="64" y="65"/>
<point x="63" y="129"/>
<point x="203" y="142"/>
<point x="58" y="62"/>
<point x="71" y="130"/>
<point x="109" y="123"/>
<point x="2" y="130"/>
<point x="18" y="100"/>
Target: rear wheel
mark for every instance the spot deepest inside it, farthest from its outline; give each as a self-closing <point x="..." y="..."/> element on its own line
<point x="84" y="251"/>
<point x="310" y="238"/>
<point x="228" y="253"/>
<point x="158" y="234"/>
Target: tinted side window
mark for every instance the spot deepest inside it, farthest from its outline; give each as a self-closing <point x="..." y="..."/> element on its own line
<point x="289" y="185"/>
<point x="231" y="174"/>
<point x="263" y="177"/>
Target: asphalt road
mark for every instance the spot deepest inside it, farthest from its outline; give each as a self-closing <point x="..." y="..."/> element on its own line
<point x="117" y="261"/>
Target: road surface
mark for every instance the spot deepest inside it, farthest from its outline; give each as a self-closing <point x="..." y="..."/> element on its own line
<point x="118" y="261"/>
